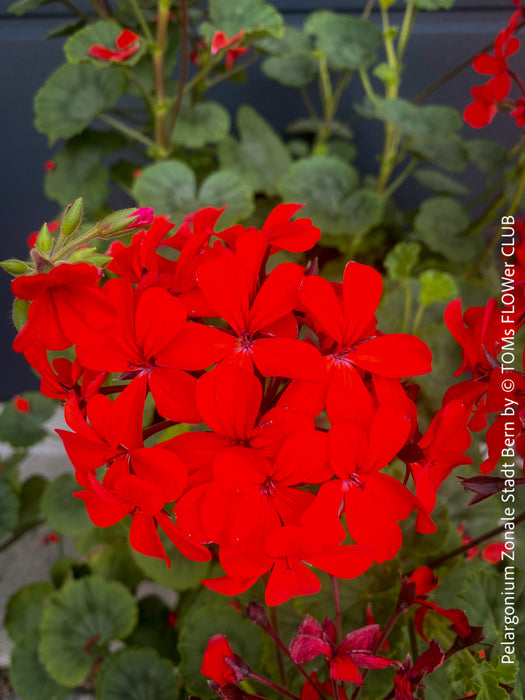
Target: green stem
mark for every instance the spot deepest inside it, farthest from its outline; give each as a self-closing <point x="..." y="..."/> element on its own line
<point x="158" y="51"/>
<point x="100" y="9"/>
<point x="419" y="315"/>
<point x="367" y="9"/>
<point x="142" y="21"/>
<point x="308" y="103"/>
<point x="278" y="653"/>
<point x="367" y="85"/>
<point x="183" y="75"/>
<point x="126" y="130"/>
<point x="337" y="606"/>
<point x="20" y="532"/>
<point x="140" y="86"/>
<point x="236" y="69"/>
<point x="408" y="305"/>
<point x="400" y="179"/>
<point x="330" y="99"/>
<point x="409" y="19"/>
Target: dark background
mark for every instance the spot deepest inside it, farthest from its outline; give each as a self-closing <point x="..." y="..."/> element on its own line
<point x="441" y="40"/>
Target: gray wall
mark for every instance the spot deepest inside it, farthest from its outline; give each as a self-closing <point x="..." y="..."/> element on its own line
<point x="441" y="41"/>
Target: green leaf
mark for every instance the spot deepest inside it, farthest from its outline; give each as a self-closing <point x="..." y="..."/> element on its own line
<point x="361" y="211"/>
<point x="224" y="188"/>
<point x="254" y="17"/>
<point x="136" y="674"/>
<point x="78" y="170"/>
<point x="200" y="124"/>
<point x="66" y="29"/>
<point x="416" y="122"/>
<point x="73" y="95"/>
<point x="20" y="7"/>
<point x="170" y="188"/>
<point x="434" y="4"/>
<point x="154" y="629"/>
<point x="401" y="260"/>
<point x="347" y="43"/>
<point x="29" y="677"/>
<point x="488" y="156"/>
<point x="205" y="621"/>
<point x="8" y="508"/>
<point x="23" y="429"/>
<point x="293" y="41"/>
<point x="114" y="561"/>
<point x="84" y="613"/>
<point x="311" y="126"/>
<point x="439" y="182"/>
<point x="24" y="610"/>
<point x="323" y="183"/>
<point x="183" y="574"/>
<point x="436" y="286"/>
<point x="447" y="151"/>
<point x="63" y="512"/>
<point x="103" y="33"/>
<point x="293" y="70"/>
<point x="30" y="497"/>
<point x="260" y="158"/>
<point x="440" y="223"/>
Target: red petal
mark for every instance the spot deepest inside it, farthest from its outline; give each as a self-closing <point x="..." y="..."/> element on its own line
<point x="394" y="355"/>
<point x="277" y="296"/>
<point x="362" y="288"/>
<point x="319" y="298"/>
<point x="190" y="550"/>
<point x="284" y="357"/>
<point x="342" y="668"/>
<point x="288" y="579"/>
<point x="214" y="665"/>
<point x="343" y="561"/>
<point x="196" y="347"/>
<point x="306" y="647"/>
<point x="144" y="538"/>
<point x="174" y="394"/>
<point x="152" y="333"/>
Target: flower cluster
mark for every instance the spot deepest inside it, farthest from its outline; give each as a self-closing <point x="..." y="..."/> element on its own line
<point x="494" y="94"/>
<point x="289" y="399"/>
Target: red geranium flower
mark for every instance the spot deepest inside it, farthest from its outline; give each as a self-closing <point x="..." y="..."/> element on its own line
<point x="221" y="41"/>
<point x="486" y="98"/>
<point x="127" y="44"/>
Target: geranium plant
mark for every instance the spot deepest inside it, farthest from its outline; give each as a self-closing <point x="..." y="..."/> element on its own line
<point x="269" y="429"/>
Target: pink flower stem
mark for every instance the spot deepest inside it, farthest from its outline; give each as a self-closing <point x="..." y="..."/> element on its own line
<point x="517" y="80"/>
<point x="270" y="684"/>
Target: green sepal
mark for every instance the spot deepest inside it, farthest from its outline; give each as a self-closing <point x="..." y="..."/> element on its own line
<point x="72" y="217"/>
<point x="15" y="267"/>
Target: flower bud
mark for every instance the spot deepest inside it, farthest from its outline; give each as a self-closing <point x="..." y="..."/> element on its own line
<point x="20" y="311"/>
<point x="44" y="242"/>
<point x="82" y="254"/>
<point x="257" y="615"/>
<point x="72" y="217"/>
<point x="123" y="220"/>
<point x="14" y="267"/>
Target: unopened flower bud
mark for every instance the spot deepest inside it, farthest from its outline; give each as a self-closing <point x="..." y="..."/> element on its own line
<point x="44" y="242"/>
<point x="14" y="267"/>
<point x="257" y="615"/>
<point x="123" y="220"/>
<point x="82" y="254"/>
<point x="20" y="311"/>
<point x="72" y="217"/>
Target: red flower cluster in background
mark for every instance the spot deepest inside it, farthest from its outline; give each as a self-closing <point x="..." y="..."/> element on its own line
<point x="492" y="96"/>
<point x="293" y="395"/>
<point x="127" y="44"/>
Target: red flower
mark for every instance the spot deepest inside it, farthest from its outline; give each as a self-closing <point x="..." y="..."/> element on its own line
<point x="505" y="46"/>
<point x="493" y="553"/>
<point x="21" y="404"/>
<point x="519" y="112"/>
<point x="408" y="679"/>
<point x="49" y="166"/>
<point x="486" y="98"/>
<point x="214" y="662"/>
<point x="127" y="44"/>
<point x="221" y="41"/>
<point x="67" y="306"/>
<point x="343" y="659"/>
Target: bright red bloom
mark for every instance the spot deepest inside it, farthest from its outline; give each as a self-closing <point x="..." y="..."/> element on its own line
<point x="221" y="41"/>
<point x="67" y="306"/>
<point x="505" y="46"/>
<point x="214" y="664"/>
<point x="21" y="404"/>
<point x="344" y="658"/>
<point x="348" y="337"/>
<point x="493" y="553"/>
<point x="519" y="112"/>
<point x="486" y="98"/>
<point x="49" y="166"/>
<point x="127" y="44"/>
<point x="408" y="679"/>
<point x="264" y="326"/>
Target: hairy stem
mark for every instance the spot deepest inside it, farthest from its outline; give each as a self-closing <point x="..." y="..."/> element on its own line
<point x="183" y="74"/>
<point x="127" y="130"/>
<point x="158" y="52"/>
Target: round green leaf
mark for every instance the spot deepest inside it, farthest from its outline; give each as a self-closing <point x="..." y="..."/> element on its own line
<point x="323" y="183"/>
<point x="436" y="286"/>
<point x="8" y="508"/>
<point x="447" y="151"/>
<point x="183" y="574"/>
<point x="114" y="561"/>
<point x="293" y="40"/>
<point x="84" y="613"/>
<point x="260" y="158"/>
<point x="30" y="498"/>
<point x="23" y="429"/>
<point x="136" y="674"/>
<point x="439" y="182"/>
<point x="103" y="33"/>
<point x="361" y="211"/>
<point x="347" y="42"/>
<point x="293" y="70"/>
<point x="488" y="156"/>
<point x="401" y="260"/>
<point x="245" y="640"/>
<point x="254" y="17"/>
<point x="440" y="223"/>
<point x="225" y="188"/>
<point x="73" y="95"/>
<point x="29" y="677"/>
<point x="200" y="124"/>
<point x="62" y="511"/>
<point x="415" y="121"/>
<point x="168" y="187"/>
<point x="24" y="610"/>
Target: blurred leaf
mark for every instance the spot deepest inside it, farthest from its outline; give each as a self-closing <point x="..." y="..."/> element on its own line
<point x="323" y="183"/>
<point x="205" y="621"/>
<point x="439" y="182"/>
<point x="292" y="41"/>
<point x="103" y="33"/>
<point x="64" y="512"/>
<point x="434" y="4"/>
<point x="29" y="677"/>
<point x="30" y="497"/>
<point x="136" y="674"/>
<point x="293" y="70"/>
<point x="200" y="124"/>
<point x="402" y="259"/>
<point x="440" y="223"/>
<point x="24" y="610"/>
<point x="73" y="95"/>
<point x="114" y="562"/>
<point x="436" y="286"/>
<point x="259" y="158"/>
<point x="254" y="17"/>
<point x="84" y="613"/>
<point x="24" y="429"/>
<point x="361" y="211"/>
<point x="8" y="508"/>
<point x="223" y="188"/>
<point x="416" y="122"/>
<point x="488" y="156"/>
<point x="183" y="574"/>
<point x="348" y="43"/>
<point x="20" y="7"/>
<point x="66" y="29"/>
<point x="447" y="151"/>
<point x="154" y="630"/>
